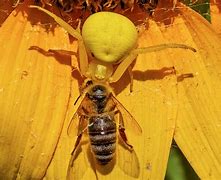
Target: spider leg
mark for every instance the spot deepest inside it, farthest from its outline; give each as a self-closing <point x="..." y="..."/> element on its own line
<point x="131" y="78"/>
<point x="162" y="47"/>
<point x="122" y="67"/>
<point x="83" y="58"/>
<point x="126" y="62"/>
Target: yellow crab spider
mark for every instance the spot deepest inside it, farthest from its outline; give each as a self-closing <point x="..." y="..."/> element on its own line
<point x="107" y="39"/>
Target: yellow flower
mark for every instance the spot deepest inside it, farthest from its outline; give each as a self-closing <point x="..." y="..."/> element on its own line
<point x="38" y="90"/>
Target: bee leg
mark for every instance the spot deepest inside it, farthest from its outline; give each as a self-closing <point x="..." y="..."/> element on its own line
<point x="81" y="130"/>
<point x="77" y="143"/>
<point x="122" y="133"/>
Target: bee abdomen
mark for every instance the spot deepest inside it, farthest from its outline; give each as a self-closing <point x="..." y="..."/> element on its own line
<point x="104" y="153"/>
<point x="104" y="159"/>
<point x="97" y="139"/>
<point x="102" y="135"/>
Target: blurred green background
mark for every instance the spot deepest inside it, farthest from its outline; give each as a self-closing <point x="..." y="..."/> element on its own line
<point x="200" y="6"/>
<point x="178" y="167"/>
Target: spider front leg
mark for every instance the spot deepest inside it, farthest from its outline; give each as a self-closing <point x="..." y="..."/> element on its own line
<point x="127" y="61"/>
<point x="83" y="58"/>
<point x="123" y="66"/>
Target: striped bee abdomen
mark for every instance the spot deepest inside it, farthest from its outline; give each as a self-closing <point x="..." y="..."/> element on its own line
<point x="102" y="133"/>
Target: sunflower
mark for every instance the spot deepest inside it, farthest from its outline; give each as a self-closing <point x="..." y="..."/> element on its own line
<point x="38" y="89"/>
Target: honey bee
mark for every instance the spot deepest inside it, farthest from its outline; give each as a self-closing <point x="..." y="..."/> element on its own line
<point x="97" y="114"/>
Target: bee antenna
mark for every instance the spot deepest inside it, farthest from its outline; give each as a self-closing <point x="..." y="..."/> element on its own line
<point x="77" y="99"/>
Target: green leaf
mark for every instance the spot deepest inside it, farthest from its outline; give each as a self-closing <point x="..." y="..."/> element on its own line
<point x="178" y="167"/>
<point x="200" y="6"/>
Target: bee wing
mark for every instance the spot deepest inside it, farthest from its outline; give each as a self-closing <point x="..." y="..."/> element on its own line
<point x="73" y="126"/>
<point x="80" y="161"/>
<point x="78" y="164"/>
<point x="129" y="122"/>
<point x="127" y="161"/>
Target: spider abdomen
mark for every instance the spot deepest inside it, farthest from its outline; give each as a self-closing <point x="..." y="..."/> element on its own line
<point x="109" y="36"/>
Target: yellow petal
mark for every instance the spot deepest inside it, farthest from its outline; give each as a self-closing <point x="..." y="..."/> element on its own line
<point x="198" y="131"/>
<point x="34" y="93"/>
